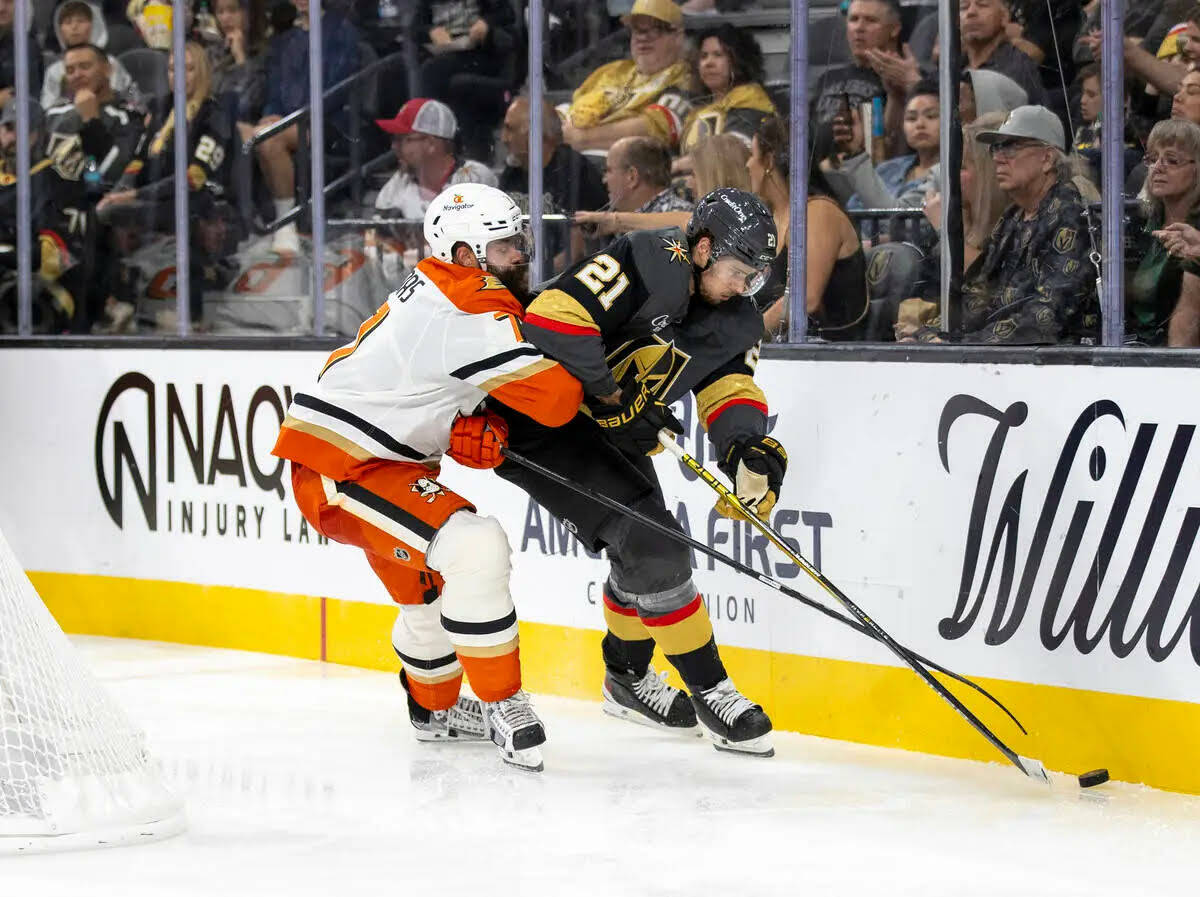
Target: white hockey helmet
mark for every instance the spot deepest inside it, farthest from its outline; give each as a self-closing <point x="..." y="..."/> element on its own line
<point x="475" y="214"/>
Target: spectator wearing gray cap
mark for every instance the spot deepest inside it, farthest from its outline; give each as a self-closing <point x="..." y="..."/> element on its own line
<point x="1033" y="282"/>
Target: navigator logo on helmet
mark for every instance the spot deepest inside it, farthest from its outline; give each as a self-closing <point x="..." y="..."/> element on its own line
<point x="474" y="214"/>
<point x="740" y="227"/>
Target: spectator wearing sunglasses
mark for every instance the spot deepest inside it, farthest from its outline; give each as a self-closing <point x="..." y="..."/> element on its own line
<point x="1033" y="282"/>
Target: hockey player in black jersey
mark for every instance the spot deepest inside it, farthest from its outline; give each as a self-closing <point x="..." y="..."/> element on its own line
<point x="660" y="312"/>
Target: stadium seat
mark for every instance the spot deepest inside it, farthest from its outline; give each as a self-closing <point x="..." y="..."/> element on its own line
<point x="893" y="275"/>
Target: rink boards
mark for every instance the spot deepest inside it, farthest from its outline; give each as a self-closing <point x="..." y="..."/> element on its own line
<point x="1034" y="527"/>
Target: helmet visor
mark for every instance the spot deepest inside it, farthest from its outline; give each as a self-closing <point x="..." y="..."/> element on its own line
<point x="519" y="243"/>
<point x="741" y="278"/>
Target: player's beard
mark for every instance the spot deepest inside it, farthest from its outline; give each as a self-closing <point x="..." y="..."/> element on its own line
<point x="516" y="279"/>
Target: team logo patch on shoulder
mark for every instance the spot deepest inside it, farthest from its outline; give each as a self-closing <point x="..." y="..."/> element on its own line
<point x="428" y="489"/>
<point x="490" y="282"/>
<point x="1064" y="240"/>
<point x="676" y="251"/>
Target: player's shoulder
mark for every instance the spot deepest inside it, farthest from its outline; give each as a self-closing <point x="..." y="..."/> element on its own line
<point x="470" y="290"/>
<point x="660" y="257"/>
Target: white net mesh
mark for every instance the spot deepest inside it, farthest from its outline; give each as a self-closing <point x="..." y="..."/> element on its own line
<point x="71" y="763"/>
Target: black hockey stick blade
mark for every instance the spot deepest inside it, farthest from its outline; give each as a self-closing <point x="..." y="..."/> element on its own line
<point x="1028" y="766"/>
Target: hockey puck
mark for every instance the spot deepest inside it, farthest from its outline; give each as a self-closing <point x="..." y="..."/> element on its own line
<point x="1093" y="778"/>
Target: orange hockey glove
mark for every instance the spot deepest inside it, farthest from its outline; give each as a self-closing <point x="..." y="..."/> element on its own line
<point x="477" y="441"/>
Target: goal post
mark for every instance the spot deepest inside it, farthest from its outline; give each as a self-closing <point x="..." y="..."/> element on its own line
<point x="74" y="770"/>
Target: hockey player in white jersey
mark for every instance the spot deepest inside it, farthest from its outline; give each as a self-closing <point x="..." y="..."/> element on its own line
<point x="366" y="440"/>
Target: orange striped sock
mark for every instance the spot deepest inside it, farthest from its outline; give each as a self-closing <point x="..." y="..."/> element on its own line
<point x="494" y="672"/>
<point x="437" y="693"/>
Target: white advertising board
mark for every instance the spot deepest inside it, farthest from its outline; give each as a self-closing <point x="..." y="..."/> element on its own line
<point x="1020" y="522"/>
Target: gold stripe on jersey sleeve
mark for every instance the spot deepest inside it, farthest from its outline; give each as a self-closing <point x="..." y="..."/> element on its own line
<point x="521" y="374"/>
<point x="731" y="386"/>
<point x="337" y="440"/>
<point x="562" y="308"/>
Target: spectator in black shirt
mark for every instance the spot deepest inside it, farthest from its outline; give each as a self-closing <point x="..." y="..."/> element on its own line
<point x="108" y="126"/>
<point x="871" y="25"/>
<point x="472" y="45"/>
<point x="58" y="216"/>
<point x="1044" y="32"/>
<point x="570" y="182"/>
<point x="986" y="45"/>
<point x="569" y="178"/>
<point x="242" y="73"/>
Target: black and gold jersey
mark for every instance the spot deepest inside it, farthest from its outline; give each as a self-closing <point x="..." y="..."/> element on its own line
<point x="631" y="304"/>
<point x="637" y="286"/>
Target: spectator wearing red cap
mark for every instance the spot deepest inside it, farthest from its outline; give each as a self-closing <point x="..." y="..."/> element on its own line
<point x="423" y="133"/>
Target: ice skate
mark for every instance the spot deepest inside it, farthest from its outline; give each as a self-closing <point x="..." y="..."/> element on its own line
<point x="516" y="731"/>
<point x="462" y="722"/>
<point x="732" y="721"/>
<point x="648" y="700"/>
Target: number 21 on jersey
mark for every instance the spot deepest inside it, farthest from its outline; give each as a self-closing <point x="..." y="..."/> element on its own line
<point x="598" y="274"/>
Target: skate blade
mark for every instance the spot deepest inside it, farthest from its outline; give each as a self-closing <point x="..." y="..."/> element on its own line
<point x="620" y="711"/>
<point x="528" y="760"/>
<point x="754" y="747"/>
<point x="455" y="736"/>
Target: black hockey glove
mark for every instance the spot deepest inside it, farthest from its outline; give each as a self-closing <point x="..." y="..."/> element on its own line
<point x="756" y="466"/>
<point x="634" y="424"/>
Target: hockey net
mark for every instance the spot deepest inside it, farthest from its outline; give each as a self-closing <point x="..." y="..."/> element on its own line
<point x="74" y="770"/>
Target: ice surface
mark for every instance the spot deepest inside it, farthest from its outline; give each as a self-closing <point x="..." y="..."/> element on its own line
<point x="303" y="779"/>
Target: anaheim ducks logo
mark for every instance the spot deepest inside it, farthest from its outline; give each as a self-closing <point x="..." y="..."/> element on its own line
<point x="427" y="489"/>
<point x="458" y="197"/>
<point x="676" y="251"/>
<point x="659" y="363"/>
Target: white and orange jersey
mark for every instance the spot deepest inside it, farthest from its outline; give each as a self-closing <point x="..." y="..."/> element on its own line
<point x="435" y="349"/>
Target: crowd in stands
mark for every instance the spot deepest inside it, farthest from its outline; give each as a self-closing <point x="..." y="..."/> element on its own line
<point x="681" y="104"/>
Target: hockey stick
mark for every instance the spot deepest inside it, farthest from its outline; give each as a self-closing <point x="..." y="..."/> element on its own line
<point x="1032" y="768"/>
<point x="695" y="544"/>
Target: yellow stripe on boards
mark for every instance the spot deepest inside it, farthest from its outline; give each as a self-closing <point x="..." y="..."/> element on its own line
<point x="220" y="616"/>
<point x="1071" y="730"/>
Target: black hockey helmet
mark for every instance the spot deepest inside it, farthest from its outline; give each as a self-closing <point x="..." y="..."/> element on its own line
<point x="739" y="224"/>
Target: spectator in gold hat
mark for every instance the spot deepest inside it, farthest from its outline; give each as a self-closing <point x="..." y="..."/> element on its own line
<point x="643" y="96"/>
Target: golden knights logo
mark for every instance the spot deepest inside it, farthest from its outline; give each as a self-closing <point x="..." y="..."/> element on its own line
<point x="677" y="251"/>
<point x="877" y="270"/>
<point x="659" y="363"/>
<point x="1064" y="240"/>
<point x="65" y="152"/>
